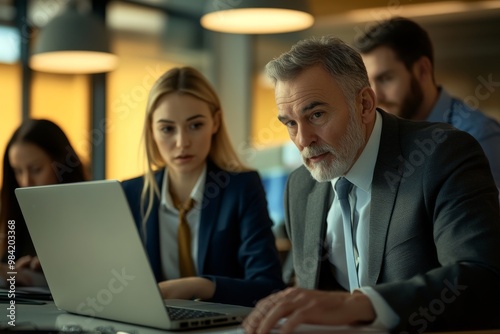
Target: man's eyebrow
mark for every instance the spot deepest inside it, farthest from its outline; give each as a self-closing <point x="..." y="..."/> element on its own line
<point x="382" y="74"/>
<point x="282" y="119"/>
<point x="304" y="110"/>
<point x="311" y="106"/>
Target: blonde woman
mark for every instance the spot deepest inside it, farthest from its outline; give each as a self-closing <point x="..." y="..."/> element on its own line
<point x="232" y="254"/>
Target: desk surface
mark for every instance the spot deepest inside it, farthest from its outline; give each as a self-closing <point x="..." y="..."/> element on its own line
<point x="47" y="316"/>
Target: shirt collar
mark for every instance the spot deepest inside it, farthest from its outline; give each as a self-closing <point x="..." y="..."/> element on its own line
<point x="196" y="193"/>
<point x="441" y="109"/>
<point x="361" y="173"/>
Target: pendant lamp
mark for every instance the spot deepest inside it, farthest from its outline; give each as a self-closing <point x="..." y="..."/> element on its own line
<point x="257" y="16"/>
<point x="73" y="43"/>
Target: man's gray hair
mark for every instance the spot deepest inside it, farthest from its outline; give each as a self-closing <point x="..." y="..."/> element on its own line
<point x="343" y="62"/>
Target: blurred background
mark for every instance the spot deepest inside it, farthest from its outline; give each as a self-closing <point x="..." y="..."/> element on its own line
<point x="103" y="113"/>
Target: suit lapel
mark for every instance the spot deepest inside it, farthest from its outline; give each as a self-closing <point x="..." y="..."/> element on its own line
<point x="386" y="180"/>
<point x="318" y="203"/>
<point x="208" y="219"/>
<point x="152" y="232"/>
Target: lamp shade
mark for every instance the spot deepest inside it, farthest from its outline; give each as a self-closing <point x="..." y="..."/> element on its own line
<point x="73" y="42"/>
<point x="257" y="16"/>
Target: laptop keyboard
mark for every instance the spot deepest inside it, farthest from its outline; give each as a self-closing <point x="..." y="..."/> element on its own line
<point x="178" y="313"/>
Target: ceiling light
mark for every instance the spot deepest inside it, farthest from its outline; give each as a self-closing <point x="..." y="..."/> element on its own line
<point x="74" y="43"/>
<point x="257" y="16"/>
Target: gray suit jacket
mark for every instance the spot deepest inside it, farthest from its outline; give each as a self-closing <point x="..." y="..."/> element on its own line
<point x="434" y="243"/>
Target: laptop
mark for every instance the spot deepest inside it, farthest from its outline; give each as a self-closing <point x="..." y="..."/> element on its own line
<point x="95" y="263"/>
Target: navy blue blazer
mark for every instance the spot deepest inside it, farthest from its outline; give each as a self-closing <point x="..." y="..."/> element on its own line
<point x="236" y="245"/>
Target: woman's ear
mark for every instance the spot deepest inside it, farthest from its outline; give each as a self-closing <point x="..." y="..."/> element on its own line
<point x="217" y="121"/>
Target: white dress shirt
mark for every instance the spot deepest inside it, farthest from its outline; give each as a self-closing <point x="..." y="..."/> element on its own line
<point x="361" y="176"/>
<point x="169" y="223"/>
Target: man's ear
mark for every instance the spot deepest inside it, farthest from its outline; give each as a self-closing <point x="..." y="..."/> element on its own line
<point x="422" y="69"/>
<point x="367" y="101"/>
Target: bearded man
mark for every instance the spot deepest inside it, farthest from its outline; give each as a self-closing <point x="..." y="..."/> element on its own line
<point x="394" y="224"/>
<point x="399" y="58"/>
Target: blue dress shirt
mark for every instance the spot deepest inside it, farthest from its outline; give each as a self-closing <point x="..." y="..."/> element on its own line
<point x="485" y="129"/>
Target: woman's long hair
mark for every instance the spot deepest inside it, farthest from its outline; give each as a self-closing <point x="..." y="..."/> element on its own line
<point x="186" y="80"/>
<point x="66" y="165"/>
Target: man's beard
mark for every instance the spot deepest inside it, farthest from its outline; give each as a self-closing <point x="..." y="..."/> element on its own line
<point x="338" y="162"/>
<point x="409" y="106"/>
<point x="412" y="101"/>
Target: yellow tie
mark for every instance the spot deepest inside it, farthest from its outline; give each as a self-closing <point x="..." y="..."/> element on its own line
<point x="186" y="266"/>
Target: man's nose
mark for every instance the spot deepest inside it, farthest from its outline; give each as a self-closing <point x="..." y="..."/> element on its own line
<point x="379" y="94"/>
<point x="305" y="136"/>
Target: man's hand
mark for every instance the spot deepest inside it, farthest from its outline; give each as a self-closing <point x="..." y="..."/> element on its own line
<point x="187" y="288"/>
<point x="301" y="306"/>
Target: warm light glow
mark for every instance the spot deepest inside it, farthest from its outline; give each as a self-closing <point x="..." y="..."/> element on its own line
<point x="415" y="10"/>
<point x="10" y="95"/>
<point x="257" y="21"/>
<point x="64" y="99"/>
<point x="74" y="62"/>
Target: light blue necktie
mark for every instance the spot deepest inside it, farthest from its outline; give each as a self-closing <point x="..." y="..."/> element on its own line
<point x="343" y="188"/>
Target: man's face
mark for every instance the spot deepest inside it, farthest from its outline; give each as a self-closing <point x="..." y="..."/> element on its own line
<point x="313" y="108"/>
<point x="396" y="87"/>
